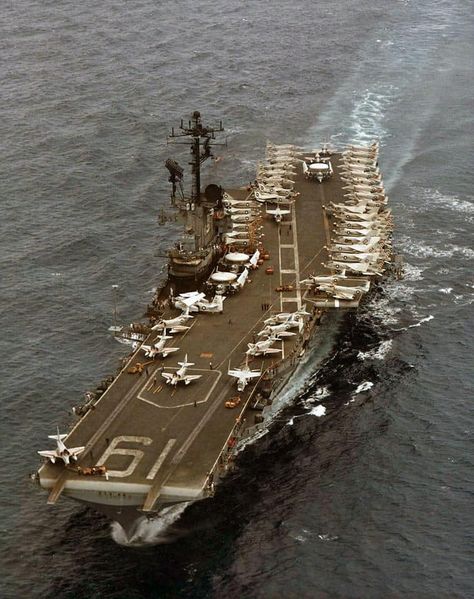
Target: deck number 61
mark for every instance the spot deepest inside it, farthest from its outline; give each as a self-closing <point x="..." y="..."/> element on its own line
<point x="136" y="454"/>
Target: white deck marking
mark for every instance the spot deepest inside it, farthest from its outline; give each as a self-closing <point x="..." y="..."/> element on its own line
<point x="297" y="258"/>
<point x="293" y="271"/>
<point x="136" y="454"/>
<point x="161" y="458"/>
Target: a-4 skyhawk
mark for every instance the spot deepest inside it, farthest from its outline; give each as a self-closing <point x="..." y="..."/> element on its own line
<point x="252" y="210"/>
<point x="66" y="454"/>
<point x="253" y="262"/>
<point x="228" y="200"/>
<point x="321" y="279"/>
<point x="342" y="291"/>
<point x="281" y="330"/>
<point x="357" y="267"/>
<point x="278" y="213"/>
<point x="270" y="196"/>
<point x="242" y="279"/>
<point x="368" y="244"/>
<point x="263" y="347"/>
<point x="158" y="348"/>
<point x="275" y="179"/>
<point x="174" y="323"/>
<point x="180" y="376"/>
<point x="286" y="316"/>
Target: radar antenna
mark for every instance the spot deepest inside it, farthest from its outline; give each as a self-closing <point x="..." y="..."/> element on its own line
<point x="201" y="142"/>
<point x="176" y="177"/>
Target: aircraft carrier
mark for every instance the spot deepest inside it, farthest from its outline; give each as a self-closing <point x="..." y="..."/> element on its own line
<point x="261" y="274"/>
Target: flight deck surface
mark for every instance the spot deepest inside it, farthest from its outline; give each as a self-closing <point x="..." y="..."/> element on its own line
<point x="163" y="440"/>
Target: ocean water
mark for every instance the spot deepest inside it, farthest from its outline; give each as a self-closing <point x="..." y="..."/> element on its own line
<point x="363" y="487"/>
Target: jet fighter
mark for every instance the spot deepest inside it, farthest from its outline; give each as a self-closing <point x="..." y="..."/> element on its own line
<point x="263" y="347"/>
<point x="278" y="213"/>
<point x="61" y="452"/>
<point x="158" y="348"/>
<point x="243" y="375"/>
<point x="281" y="329"/>
<point x="173" y="323"/>
<point x="180" y="376"/>
<point x="287" y="316"/>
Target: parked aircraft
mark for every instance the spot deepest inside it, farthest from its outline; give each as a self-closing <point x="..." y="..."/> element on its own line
<point x="180" y="376"/>
<point x="61" y="452"/>
<point x="278" y="213"/>
<point x="286" y="316"/>
<point x="253" y="262"/>
<point x="280" y="191"/>
<point x="263" y="347"/>
<point x="357" y="267"/>
<point x="242" y="279"/>
<point x="281" y="329"/>
<point x="173" y="322"/>
<point x="197" y="302"/>
<point x="251" y="210"/>
<point x="269" y="196"/>
<point x="337" y="293"/>
<point x="243" y="375"/>
<point x="158" y="348"/>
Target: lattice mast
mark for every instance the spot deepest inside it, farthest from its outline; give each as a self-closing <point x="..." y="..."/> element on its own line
<point x="201" y="141"/>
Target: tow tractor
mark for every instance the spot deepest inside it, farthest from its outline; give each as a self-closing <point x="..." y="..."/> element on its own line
<point x="139" y="367"/>
<point x="233" y="402"/>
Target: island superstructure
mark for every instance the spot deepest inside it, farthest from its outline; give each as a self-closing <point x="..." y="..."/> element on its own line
<point x="255" y="282"/>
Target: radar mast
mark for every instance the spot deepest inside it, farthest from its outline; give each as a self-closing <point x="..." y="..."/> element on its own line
<point x="194" y="255"/>
<point x="201" y="141"/>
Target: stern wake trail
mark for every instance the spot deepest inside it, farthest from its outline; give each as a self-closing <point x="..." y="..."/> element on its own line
<point x="394" y="77"/>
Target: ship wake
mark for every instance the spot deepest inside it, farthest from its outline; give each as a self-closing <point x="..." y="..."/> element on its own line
<point x="150" y="531"/>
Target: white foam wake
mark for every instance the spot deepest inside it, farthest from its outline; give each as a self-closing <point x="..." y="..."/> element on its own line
<point x="430" y="197"/>
<point x="318" y="411"/>
<point x="318" y="395"/>
<point x="417" y="324"/>
<point x="153" y="531"/>
<point x="365" y="386"/>
<point x="377" y="353"/>
<point x="412" y="273"/>
<point x="418" y="249"/>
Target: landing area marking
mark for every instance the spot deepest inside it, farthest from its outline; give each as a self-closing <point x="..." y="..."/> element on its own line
<point x="179" y="396"/>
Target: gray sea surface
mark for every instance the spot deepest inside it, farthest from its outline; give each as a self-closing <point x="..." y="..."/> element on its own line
<point x="374" y="499"/>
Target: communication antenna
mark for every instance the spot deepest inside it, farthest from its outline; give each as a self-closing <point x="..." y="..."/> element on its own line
<point x="201" y="139"/>
<point x="115" y="328"/>
<point x="176" y="177"/>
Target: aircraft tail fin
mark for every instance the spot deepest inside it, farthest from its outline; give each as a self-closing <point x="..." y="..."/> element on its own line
<point x="57" y="436"/>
